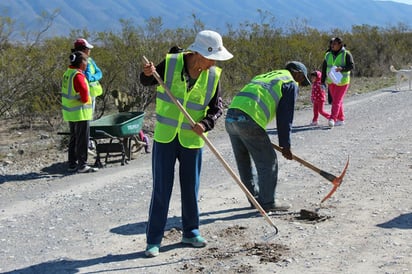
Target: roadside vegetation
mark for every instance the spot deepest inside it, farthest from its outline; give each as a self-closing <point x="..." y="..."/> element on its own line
<point x="32" y="66"/>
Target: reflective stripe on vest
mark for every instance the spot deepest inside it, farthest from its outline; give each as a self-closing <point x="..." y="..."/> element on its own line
<point x="170" y="120"/>
<point x="71" y="94"/>
<point x="260" y="98"/>
<point x="339" y="61"/>
<point x="72" y="108"/>
<point x="191" y="105"/>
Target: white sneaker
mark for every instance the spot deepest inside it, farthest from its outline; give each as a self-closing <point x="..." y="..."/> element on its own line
<point x="314" y="123"/>
<point x="331" y="123"/>
<point x="87" y="169"/>
<point x="339" y="123"/>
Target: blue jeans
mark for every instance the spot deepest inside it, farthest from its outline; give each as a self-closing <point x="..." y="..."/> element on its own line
<point x="164" y="158"/>
<point x="251" y="142"/>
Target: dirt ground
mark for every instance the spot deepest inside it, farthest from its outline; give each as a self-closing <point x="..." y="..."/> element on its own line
<point x="55" y="222"/>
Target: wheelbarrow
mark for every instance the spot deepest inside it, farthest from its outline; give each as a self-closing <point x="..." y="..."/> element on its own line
<point x="117" y="135"/>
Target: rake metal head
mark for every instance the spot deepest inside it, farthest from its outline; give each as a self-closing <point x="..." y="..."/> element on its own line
<point x="269" y="236"/>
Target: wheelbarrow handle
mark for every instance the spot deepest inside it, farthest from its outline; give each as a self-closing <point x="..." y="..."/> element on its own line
<point x="104" y="133"/>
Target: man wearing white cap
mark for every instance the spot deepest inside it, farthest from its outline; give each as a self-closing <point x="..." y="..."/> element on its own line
<point x="92" y="72"/>
<point x="93" y="75"/>
<point x="193" y="79"/>
<point x="265" y="97"/>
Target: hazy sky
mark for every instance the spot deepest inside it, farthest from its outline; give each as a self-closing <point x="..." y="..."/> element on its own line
<point x="403" y="1"/>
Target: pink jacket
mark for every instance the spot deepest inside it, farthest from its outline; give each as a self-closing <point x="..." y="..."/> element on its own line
<point x="318" y="94"/>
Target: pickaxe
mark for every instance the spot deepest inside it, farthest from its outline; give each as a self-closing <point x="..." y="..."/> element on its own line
<point x="336" y="181"/>
<point x="214" y="150"/>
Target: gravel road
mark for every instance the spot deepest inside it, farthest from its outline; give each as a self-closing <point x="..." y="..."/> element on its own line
<point x="55" y="222"/>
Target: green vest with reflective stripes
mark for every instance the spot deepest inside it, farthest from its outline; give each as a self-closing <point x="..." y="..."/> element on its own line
<point x="170" y="120"/>
<point x="260" y="97"/>
<point x="73" y="109"/>
<point x="94" y="87"/>
<point x="339" y="61"/>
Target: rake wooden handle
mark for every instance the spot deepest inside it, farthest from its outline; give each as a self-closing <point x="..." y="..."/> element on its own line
<point x="214" y="150"/>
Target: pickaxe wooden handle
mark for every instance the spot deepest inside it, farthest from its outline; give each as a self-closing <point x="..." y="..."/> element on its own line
<point x="214" y="150"/>
<point x="336" y="181"/>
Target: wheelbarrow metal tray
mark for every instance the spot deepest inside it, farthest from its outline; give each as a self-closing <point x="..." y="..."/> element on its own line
<point x="119" y="125"/>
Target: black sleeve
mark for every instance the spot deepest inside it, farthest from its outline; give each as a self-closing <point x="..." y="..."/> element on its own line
<point x="215" y="110"/>
<point x="284" y="113"/>
<point x="349" y="65"/>
<point x="151" y="80"/>
<point x="324" y="66"/>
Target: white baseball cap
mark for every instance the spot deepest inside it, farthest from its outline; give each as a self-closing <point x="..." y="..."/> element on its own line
<point x="82" y="43"/>
<point x="209" y="44"/>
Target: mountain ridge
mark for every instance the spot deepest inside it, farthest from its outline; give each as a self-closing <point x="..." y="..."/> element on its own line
<point x="95" y="15"/>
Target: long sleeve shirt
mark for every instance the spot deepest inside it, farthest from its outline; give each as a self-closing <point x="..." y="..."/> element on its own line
<point x="215" y="105"/>
<point x="284" y="113"/>
<point x="93" y="77"/>
<point x="80" y="85"/>
<point x="318" y="94"/>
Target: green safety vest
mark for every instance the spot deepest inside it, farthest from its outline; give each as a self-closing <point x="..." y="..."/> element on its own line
<point x="170" y="120"/>
<point x="339" y="61"/>
<point x="95" y="87"/>
<point x="260" y="97"/>
<point x="73" y="109"/>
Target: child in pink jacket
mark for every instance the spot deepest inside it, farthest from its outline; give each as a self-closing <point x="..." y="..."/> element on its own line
<point x="318" y="98"/>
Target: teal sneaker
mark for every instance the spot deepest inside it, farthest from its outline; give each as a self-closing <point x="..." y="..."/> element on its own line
<point x="152" y="251"/>
<point x="197" y="241"/>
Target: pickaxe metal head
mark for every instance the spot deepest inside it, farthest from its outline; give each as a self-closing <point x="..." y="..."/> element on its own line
<point x="337" y="181"/>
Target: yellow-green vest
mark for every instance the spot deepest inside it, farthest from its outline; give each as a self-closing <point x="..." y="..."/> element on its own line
<point x="339" y="61"/>
<point x="94" y="87"/>
<point x="170" y="120"/>
<point x="73" y="109"/>
<point x="261" y="96"/>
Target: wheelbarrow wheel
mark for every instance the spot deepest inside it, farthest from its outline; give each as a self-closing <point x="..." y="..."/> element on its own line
<point x="136" y="146"/>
